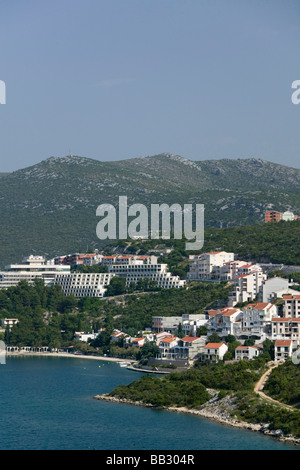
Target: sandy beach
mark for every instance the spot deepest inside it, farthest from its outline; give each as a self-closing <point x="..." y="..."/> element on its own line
<point x="62" y="354"/>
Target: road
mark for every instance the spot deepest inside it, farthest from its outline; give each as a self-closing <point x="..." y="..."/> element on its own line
<point x="261" y="383"/>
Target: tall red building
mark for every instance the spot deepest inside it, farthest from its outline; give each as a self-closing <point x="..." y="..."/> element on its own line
<point x="273" y="216"/>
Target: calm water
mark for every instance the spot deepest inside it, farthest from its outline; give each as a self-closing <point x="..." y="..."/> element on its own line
<point x="46" y="403"/>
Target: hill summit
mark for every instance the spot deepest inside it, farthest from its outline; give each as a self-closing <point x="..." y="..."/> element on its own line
<point x="50" y="207"/>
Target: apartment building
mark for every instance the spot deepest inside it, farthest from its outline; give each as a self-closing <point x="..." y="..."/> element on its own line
<point x="166" y="324"/>
<point x="286" y="329"/>
<point x="205" y="265"/>
<point x="189" y="347"/>
<point x="166" y="347"/>
<point x="229" y="270"/>
<point x="226" y="321"/>
<point x="273" y="216"/>
<point x="291" y="305"/>
<point x="256" y="319"/>
<point x="246" y="287"/>
<point x="189" y="323"/>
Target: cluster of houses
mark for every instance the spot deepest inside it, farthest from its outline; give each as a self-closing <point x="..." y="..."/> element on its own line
<point x="278" y="322"/>
<point x="270" y="307"/>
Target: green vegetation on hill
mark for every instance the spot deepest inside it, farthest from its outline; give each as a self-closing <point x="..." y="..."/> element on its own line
<point x="284" y="384"/>
<point x="51" y="207"/>
<point x="277" y="243"/>
<point x="174" y="390"/>
<point x="49" y="318"/>
<point x="191" y="384"/>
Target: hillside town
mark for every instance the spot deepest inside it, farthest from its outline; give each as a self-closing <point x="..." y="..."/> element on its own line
<point x="258" y="308"/>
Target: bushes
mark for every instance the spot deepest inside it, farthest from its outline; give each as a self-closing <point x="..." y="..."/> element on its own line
<point x="254" y="410"/>
<point x="284" y="383"/>
<point x="175" y="390"/>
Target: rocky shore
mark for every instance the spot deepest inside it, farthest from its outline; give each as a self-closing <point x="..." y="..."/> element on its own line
<point x="218" y="410"/>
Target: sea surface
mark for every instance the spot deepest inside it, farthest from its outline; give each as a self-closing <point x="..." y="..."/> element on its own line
<point x="46" y="403"/>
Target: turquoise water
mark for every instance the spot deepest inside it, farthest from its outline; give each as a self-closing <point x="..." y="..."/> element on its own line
<point x="46" y="403"/>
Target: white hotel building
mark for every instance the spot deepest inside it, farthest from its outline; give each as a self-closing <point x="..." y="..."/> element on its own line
<point x="84" y="284"/>
<point x="79" y="284"/>
<point x="32" y="267"/>
<point x="143" y="270"/>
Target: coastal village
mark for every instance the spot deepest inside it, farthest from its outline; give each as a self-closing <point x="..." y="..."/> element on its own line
<point x="259" y="307"/>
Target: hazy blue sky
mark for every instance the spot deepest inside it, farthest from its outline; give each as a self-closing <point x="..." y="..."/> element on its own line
<point x="116" y="79"/>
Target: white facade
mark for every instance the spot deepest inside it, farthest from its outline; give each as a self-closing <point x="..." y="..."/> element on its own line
<point x="166" y="347"/>
<point x="256" y="319"/>
<point x="246" y="287"/>
<point x="283" y="349"/>
<point x="214" y="351"/>
<point x="225" y="321"/>
<point x="81" y="336"/>
<point x="154" y="272"/>
<point x="288" y="216"/>
<point x="204" y="266"/>
<point x="291" y="306"/>
<point x="84" y="284"/>
<point x="286" y="329"/>
<point x="274" y="288"/>
<point x="32" y="267"/>
<point x="166" y="324"/>
<point x="246" y="352"/>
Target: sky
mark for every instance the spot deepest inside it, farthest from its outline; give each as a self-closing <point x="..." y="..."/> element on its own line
<point x="118" y="79"/>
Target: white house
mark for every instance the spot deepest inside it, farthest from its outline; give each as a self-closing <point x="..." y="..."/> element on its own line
<point x="214" y="352"/>
<point x="225" y="321"/>
<point x="274" y="288"/>
<point x="166" y="347"/>
<point x="246" y="352"/>
<point x="81" y="336"/>
<point x="283" y="349"/>
<point x="9" y="322"/>
<point x="189" y="347"/>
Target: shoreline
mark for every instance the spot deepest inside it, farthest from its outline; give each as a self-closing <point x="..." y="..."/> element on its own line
<point x="62" y="354"/>
<point x="217" y="416"/>
<point x="205" y="412"/>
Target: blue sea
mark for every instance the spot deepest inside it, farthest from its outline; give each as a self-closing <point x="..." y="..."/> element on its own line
<point x="46" y="403"/>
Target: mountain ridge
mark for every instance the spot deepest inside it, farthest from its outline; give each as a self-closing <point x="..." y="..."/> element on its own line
<point x="50" y="207"/>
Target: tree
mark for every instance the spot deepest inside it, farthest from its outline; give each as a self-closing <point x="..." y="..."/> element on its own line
<point x="214" y="338"/>
<point x="117" y="286"/>
<point x="180" y="332"/>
